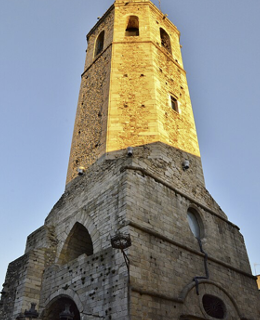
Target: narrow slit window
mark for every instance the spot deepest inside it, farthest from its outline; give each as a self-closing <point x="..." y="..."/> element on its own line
<point x="174" y="104"/>
<point x="195" y="223"/>
<point x="132" y="29"/>
<point x="100" y="43"/>
<point x="165" y="40"/>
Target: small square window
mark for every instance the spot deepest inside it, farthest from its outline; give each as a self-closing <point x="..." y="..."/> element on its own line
<point x="174" y="104"/>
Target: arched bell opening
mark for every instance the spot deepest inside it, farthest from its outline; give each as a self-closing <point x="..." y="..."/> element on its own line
<point x="132" y="28"/>
<point x="99" y="46"/>
<point x="165" y="40"/>
<point x="61" y="308"/>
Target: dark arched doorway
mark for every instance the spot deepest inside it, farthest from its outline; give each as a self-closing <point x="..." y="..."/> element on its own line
<point x="57" y="306"/>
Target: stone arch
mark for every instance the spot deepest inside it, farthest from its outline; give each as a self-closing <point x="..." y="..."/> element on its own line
<point x="99" y="45"/>
<point x="193" y="303"/>
<point x="132" y="26"/>
<point x="165" y="40"/>
<point x="82" y="217"/>
<point x="77" y="243"/>
<point x="55" y="304"/>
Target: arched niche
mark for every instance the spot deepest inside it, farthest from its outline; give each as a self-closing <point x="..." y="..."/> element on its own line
<point x="77" y="243"/>
<point x="165" y="40"/>
<point x="132" y="26"/>
<point x="99" y="46"/>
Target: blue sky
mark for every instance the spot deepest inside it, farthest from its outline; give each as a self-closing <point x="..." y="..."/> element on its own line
<point x="42" y="56"/>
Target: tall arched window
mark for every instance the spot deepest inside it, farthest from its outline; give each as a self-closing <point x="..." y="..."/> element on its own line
<point x="99" y="43"/>
<point x="132" y="28"/>
<point x="195" y="223"/>
<point x="165" y="40"/>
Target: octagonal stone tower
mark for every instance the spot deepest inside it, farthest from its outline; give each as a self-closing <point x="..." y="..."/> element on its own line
<point x="134" y="89"/>
<point x="135" y="235"/>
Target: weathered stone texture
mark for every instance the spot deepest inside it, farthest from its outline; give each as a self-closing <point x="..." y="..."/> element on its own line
<point x="125" y="101"/>
<point x="44" y="237"/>
<point x="12" y="281"/>
<point x="140" y="196"/>
<point x="125" y="92"/>
<point x="99" y="282"/>
<point x="165" y="256"/>
<point x="89" y="136"/>
<point x="23" y="283"/>
<point x="143" y="76"/>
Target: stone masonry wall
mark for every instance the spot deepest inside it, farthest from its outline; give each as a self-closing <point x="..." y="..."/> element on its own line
<point x="142" y="195"/>
<point x="95" y="200"/>
<point x="159" y="158"/>
<point x="29" y="288"/>
<point x="125" y="92"/>
<point x="36" y="239"/>
<point x="44" y="237"/>
<point x="163" y="210"/>
<point x="12" y="281"/>
<point x="23" y="284"/>
<point x="89" y="136"/>
<point x="124" y="101"/>
<point x="100" y="283"/>
<point x="132" y="112"/>
<point x="106" y="23"/>
<point x="174" y="127"/>
<point x="165" y="256"/>
<point x="143" y="76"/>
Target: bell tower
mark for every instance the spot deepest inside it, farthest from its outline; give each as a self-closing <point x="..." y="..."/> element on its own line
<point x="136" y="235"/>
<point x="134" y="89"/>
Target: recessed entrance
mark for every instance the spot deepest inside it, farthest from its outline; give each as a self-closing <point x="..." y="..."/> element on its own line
<point x="57" y="307"/>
